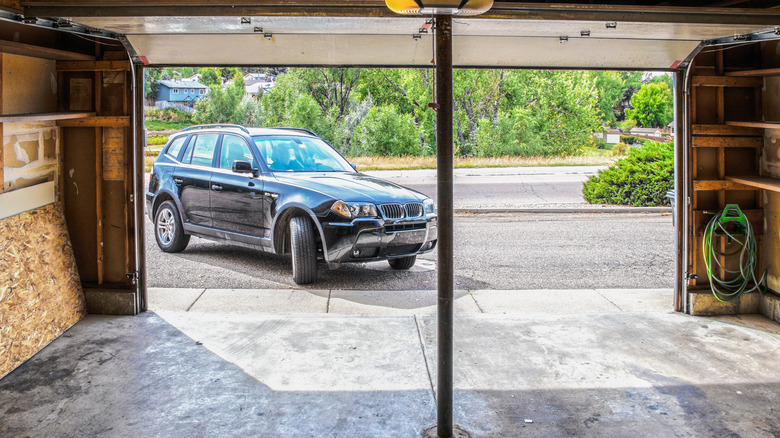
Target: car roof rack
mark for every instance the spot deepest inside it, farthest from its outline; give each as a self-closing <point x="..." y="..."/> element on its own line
<point x="307" y="131"/>
<point x="215" y="125"/>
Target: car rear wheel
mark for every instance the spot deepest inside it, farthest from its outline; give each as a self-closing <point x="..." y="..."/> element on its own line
<point x="168" y="230"/>
<point x="402" y="263"/>
<point x="304" y="250"/>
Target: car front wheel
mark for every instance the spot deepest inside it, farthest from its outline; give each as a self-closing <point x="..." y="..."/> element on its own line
<point x="402" y="263"/>
<point x="304" y="250"/>
<point x="168" y="230"/>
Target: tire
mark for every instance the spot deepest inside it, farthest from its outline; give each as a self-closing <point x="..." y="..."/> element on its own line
<point x="402" y="263"/>
<point x="304" y="250"/>
<point x="168" y="230"/>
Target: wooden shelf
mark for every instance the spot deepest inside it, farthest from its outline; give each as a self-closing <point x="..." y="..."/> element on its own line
<point x="97" y="122"/>
<point x="42" y="117"/>
<point x="761" y="182"/>
<point x="760" y="72"/>
<point x="727" y="142"/>
<point x="768" y="125"/>
<point x="727" y="81"/>
<point x="726" y="130"/>
<point x="719" y="184"/>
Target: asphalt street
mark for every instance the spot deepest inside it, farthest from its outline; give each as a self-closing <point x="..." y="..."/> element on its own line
<point x="493" y="251"/>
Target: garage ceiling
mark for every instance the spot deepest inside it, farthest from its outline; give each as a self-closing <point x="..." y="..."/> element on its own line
<point x="639" y="35"/>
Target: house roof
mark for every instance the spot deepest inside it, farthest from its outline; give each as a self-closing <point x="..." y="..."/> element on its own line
<point x="644" y="130"/>
<point x="182" y="84"/>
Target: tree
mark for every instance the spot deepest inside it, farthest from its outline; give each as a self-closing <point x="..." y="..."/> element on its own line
<point x="210" y="76"/>
<point x="151" y="84"/>
<point x="653" y="105"/>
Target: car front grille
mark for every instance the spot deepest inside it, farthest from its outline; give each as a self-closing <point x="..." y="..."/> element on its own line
<point x="392" y="211"/>
<point x="405" y="227"/>
<point x="400" y="211"/>
<point x="414" y="209"/>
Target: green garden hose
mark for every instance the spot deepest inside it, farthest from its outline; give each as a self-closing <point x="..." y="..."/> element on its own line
<point x="733" y="225"/>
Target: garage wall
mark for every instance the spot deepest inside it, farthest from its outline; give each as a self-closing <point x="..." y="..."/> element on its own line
<point x="40" y="290"/>
<point x="733" y="148"/>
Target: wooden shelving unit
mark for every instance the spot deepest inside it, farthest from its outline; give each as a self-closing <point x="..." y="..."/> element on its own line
<point x="43" y="117"/>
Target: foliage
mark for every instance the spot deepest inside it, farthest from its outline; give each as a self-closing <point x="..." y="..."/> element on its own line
<point x="210" y="76"/>
<point x="167" y="115"/>
<point x="157" y="125"/>
<point x="156" y="140"/>
<point x="249" y="112"/>
<point x="640" y="179"/>
<point x="653" y="105"/>
<point x="628" y="139"/>
<point x="220" y="105"/>
<point x="385" y="132"/>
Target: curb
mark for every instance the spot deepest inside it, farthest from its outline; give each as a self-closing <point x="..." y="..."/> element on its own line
<point x="616" y="210"/>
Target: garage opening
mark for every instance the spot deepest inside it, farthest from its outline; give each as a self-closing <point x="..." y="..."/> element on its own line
<point x="521" y="226"/>
<point x="559" y="375"/>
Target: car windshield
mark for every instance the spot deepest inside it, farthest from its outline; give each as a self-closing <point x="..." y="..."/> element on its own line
<point x="300" y="154"/>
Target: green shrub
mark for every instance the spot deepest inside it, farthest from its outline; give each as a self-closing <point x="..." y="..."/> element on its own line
<point x="156" y="140"/>
<point x="167" y="115"/>
<point x="383" y="131"/>
<point x="641" y="179"/>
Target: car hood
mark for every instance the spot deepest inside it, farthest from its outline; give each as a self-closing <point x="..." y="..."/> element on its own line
<point x="351" y="186"/>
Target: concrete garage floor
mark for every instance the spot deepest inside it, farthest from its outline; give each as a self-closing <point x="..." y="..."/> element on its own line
<point x="336" y="363"/>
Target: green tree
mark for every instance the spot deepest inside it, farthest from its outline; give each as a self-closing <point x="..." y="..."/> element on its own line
<point x="210" y="76"/>
<point x="152" y="76"/>
<point x="653" y="105"/>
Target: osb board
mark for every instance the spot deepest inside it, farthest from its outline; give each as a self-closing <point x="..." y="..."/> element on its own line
<point x="40" y="290"/>
<point x="30" y="154"/>
<point x="29" y="85"/>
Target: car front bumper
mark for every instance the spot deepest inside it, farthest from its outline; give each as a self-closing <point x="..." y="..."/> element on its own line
<point x="373" y="239"/>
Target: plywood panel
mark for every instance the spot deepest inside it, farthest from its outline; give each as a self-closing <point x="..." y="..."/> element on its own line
<point x="29" y="85"/>
<point x="40" y="290"/>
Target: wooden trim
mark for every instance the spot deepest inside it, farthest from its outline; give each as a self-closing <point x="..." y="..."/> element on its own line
<point x="2" y="165"/>
<point x="760" y="72"/>
<point x="42" y="52"/>
<point x="97" y="121"/>
<point x="43" y="117"/>
<point x="728" y="130"/>
<point x="726" y="81"/>
<point x="720" y="185"/>
<point x="761" y="182"/>
<point x="99" y="200"/>
<point x="93" y="66"/>
<point x="768" y="125"/>
<point x="727" y="142"/>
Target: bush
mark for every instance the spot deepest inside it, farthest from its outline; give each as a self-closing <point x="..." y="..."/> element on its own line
<point x="167" y="115"/>
<point x="641" y="179"/>
<point x="383" y="131"/>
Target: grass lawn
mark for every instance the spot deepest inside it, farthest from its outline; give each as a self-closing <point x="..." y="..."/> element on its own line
<point x="158" y="125"/>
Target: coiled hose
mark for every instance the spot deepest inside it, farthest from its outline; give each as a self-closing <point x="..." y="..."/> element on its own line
<point x="732" y="224"/>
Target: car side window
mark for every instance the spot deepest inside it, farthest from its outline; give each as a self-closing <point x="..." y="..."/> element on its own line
<point x="234" y="148"/>
<point x="203" y="152"/>
<point x="175" y="147"/>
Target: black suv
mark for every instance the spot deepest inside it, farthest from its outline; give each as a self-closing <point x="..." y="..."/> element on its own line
<point x="283" y="190"/>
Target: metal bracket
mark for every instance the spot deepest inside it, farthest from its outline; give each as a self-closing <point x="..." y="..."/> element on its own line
<point x="132" y="276"/>
<point x="689" y="276"/>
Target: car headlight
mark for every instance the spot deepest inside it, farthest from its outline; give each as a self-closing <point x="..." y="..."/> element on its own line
<point x="429" y="206"/>
<point x="354" y="209"/>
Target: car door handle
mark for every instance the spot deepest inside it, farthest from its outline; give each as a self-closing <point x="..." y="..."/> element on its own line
<point x="216" y="187"/>
<point x="178" y="181"/>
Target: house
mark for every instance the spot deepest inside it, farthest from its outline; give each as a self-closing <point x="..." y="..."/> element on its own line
<point x="646" y="132"/>
<point x="610" y="136"/>
<point x="180" y="92"/>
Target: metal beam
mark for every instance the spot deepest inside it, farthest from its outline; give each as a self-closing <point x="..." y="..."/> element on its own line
<point x="446" y="253"/>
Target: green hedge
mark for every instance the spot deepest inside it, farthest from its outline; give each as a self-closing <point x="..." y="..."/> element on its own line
<point x="641" y="179"/>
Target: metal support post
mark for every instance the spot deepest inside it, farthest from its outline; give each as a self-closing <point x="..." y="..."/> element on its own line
<point x="444" y="191"/>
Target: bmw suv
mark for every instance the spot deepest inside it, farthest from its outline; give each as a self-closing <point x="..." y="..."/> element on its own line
<point x="285" y="191"/>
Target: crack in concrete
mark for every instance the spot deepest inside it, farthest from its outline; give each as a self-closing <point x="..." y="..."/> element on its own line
<point x="425" y="357"/>
<point x="196" y="300"/>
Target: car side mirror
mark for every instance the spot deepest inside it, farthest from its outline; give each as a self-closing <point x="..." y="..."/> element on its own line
<point x="354" y="165"/>
<point x="240" y="166"/>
